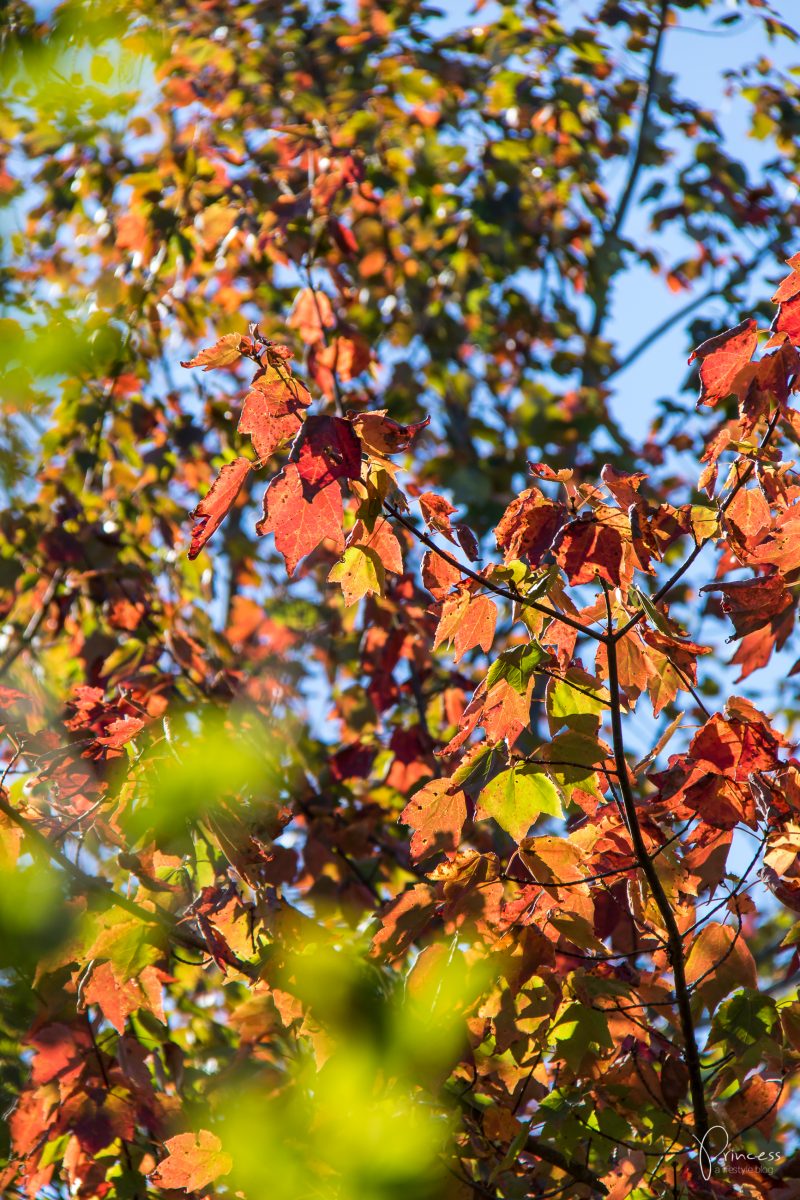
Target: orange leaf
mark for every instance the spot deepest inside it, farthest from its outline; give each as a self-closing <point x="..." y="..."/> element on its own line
<point x="224" y="353"/>
<point x="272" y="411"/>
<point x="719" y="961"/>
<point x="436" y="512"/>
<point x="311" y="316"/>
<point x="436" y="813"/>
<point x="194" y="1161"/>
<point x="217" y="502"/>
<point x="300" y="518"/>
<point x="382" y="540"/>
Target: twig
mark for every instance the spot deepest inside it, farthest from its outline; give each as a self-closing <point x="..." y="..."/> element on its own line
<point x="514" y="597"/>
<point x="674" y="941"/>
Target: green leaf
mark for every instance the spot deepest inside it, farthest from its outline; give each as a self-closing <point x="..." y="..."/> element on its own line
<point x="655" y="617"/>
<point x="745" y="1020"/>
<point x="480" y="767"/>
<point x="579" y="1030"/>
<point x="517" y="797"/>
<point x="516" y="666"/>
<point x="577" y="702"/>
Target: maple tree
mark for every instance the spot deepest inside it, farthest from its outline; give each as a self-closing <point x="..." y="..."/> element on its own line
<point x="400" y="821"/>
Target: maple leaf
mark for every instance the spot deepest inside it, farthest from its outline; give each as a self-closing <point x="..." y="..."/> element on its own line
<point x="382" y="436"/>
<point x="194" y="1160"/>
<point x="748" y="514"/>
<point x="780" y="545"/>
<point x="587" y="548"/>
<point x="734" y="747"/>
<point x="272" y="410"/>
<point x="217" y="502"/>
<point x="327" y="451"/>
<point x="342" y="358"/>
<point x="312" y="315"/>
<point x="577" y="701"/>
<point x="299" y="519"/>
<point x="438" y="574"/>
<point x="528" y="526"/>
<point x="436" y="513"/>
<point x="788" y="320"/>
<point x="360" y="572"/>
<point x="752" y="603"/>
<point x="467" y="621"/>
<point x="755" y="1104"/>
<point x="403" y="920"/>
<point x="719" y="961"/>
<point x="381" y="540"/>
<point x="409" y="764"/>
<point x="518" y="796"/>
<point x="722" y="359"/>
<point x="118" y="999"/>
<point x="790" y="286"/>
<point x="224" y="353"/>
<point x="120" y="732"/>
<point x="436" y="813"/>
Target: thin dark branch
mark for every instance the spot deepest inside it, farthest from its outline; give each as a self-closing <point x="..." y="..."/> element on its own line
<point x="514" y="597"/>
<point x="644" y="122"/>
<point x="674" y="941"/>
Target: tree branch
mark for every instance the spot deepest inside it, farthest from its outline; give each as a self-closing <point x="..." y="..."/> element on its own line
<point x="674" y="941"/>
<point x="514" y="597"/>
<point x="644" y="121"/>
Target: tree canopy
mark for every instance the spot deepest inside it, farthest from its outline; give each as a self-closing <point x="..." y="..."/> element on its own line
<point x="399" y="791"/>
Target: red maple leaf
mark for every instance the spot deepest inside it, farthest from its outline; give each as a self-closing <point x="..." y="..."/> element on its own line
<point x="217" y="503"/>
<point x="272" y="411"/>
<point x="301" y="518"/>
<point x="722" y="359"/>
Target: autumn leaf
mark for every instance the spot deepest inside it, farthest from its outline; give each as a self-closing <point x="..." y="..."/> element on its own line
<point x="118" y="998"/>
<point x="381" y="540"/>
<point x="719" y="961"/>
<point x="518" y="796"/>
<point x="301" y="519"/>
<point x="360" y="572"/>
<point x="587" y="549"/>
<point x="722" y="359"/>
<point x="751" y="603"/>
<point x="217" y="503"/>
<point x="119" y="733"/>
<point x="436" y="813"/>
<point x="312" y="315"/>
<point x="529" y="526"/>
<point x="194" y="1160"/>
<point x="734" y="747"/>
<point x="466" y="621"/>
<point x="381" y="436"/>
<point x="436" y="513"/>
<point x="328" y="450"/>
<point x="438" y="574"/>
<point x="272" y="412"/>
<point x="224" y="353"/>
